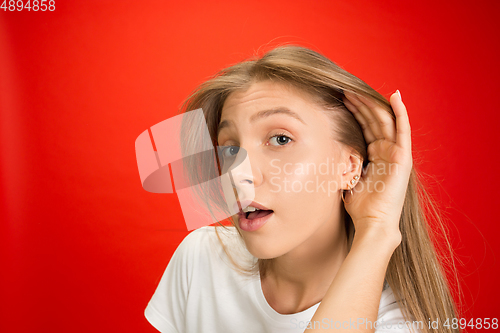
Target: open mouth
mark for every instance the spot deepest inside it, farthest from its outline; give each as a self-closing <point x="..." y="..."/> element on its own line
<point x="257" y="214"/>
<point x="253" y="221"/>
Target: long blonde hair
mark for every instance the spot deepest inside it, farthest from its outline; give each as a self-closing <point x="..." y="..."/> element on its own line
<point x="415" y="274"/>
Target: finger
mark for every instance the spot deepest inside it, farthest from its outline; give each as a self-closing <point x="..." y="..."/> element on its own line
<point x="403" y="136"/>
<point x="365" y="111"/>
<point x="386" y="121"/>
<point x="367" y="132"/>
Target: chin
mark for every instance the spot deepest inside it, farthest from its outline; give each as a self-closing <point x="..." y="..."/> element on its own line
<point x="261" y="250"/>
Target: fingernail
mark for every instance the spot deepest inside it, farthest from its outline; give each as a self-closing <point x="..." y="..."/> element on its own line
<point x="399" y="93"/>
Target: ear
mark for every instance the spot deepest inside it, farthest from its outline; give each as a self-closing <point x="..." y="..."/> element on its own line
<point x="352" y="171"/>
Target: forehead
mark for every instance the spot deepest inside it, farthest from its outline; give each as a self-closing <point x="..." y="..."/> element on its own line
<point x="265" y="93"/>
<point x="284" y="105"/>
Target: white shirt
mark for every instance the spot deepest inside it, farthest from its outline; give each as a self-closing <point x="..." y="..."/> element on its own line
<point x="200" y="292"/>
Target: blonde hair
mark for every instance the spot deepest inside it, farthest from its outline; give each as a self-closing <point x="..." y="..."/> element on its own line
<point x="415" y="274"/>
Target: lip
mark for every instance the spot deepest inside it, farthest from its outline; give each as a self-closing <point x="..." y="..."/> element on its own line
<point x="246" y="203"/>
<point x="252" y="225"/>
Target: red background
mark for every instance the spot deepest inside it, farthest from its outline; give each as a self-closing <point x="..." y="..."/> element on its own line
<point x="83" y="245"/>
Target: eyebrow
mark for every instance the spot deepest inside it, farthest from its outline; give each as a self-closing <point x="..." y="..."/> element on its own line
<point x="265" y="114"/>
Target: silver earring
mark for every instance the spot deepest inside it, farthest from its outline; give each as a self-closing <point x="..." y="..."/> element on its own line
<point x="349" y="188"/>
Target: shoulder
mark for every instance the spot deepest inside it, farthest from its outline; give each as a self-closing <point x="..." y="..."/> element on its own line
<point x="390" y="317"/>
<point x="208" y="232"/>
<point x="194" y="237"/>
<point x="203" y="238"/>
<point x="192" y="252"/>
<point x="195" y="243"/>
<point x="180" y="286"/>
<point x="209" y="245"/>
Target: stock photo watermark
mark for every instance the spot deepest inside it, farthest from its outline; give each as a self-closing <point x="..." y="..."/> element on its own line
<point x="281" y="183"/>
<point x="28" y="5"/>
<point x="358" y="323"/>
<point x="363" y="323"/>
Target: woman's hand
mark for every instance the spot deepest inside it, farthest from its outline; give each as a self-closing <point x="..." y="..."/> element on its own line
<point x="379" y="195"/>
<point x="375" y="212"/>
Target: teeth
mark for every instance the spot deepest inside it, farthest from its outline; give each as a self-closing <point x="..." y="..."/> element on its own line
<point x="250" y="209"/>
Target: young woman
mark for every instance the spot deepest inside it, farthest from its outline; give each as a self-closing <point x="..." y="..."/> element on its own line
<point x="340" y="241"/>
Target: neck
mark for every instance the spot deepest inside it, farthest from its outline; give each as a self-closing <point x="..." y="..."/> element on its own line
<point x="300" y="278"/>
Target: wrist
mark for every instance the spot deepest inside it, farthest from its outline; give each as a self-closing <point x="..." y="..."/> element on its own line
<point x="377" y="236"/>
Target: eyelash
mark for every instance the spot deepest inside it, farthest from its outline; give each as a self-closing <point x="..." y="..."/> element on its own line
<point x="281" y="134"/>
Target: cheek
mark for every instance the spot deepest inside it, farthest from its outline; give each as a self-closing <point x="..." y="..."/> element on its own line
<point x="312" y="173"/>
<point x="305" y="185"/>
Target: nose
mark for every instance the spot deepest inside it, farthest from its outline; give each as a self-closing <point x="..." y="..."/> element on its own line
<point x="242" y="172"/>
<point x="244" y="176"/>
<point x="241" y="179"/>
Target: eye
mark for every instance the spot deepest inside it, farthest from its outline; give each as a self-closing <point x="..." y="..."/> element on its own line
<point x="227" y="156"/>
<point x="230" y="151"/>
<point x="281" y="139"/>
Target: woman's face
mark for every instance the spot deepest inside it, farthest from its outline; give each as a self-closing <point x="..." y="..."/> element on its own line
<point x="296" y="167"/>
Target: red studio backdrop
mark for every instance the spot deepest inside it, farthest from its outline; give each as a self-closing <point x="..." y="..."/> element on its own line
<point x="83" y="246"/>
